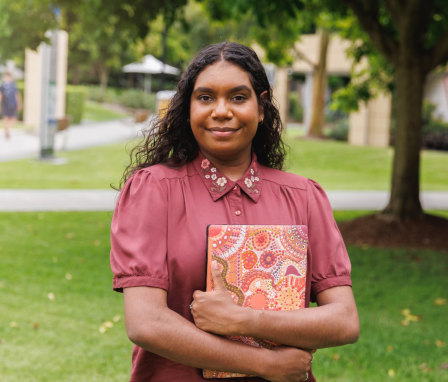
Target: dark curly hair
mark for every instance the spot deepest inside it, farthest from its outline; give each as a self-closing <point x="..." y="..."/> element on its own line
<point x="171" y="140"/>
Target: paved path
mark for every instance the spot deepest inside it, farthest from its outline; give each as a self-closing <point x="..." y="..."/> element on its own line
<point x="104" y="200"/>
<point x="25" y="144"/>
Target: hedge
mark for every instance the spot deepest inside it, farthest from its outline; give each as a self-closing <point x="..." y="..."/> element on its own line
<point x="75" y="97"/>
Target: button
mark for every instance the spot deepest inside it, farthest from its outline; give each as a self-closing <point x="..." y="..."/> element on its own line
<point x="235" y="188"/>
<point x="237" y="212"/>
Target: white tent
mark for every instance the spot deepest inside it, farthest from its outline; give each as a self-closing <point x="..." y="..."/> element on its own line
<point x="150" y="65"/>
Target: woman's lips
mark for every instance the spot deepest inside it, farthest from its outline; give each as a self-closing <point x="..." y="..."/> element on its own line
<point x="223" y="131"/>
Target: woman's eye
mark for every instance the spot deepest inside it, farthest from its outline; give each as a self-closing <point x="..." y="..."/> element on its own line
<point x="204" y="98"/>
<point x="239" y="98"/>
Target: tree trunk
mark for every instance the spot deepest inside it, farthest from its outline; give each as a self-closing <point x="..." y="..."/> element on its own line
<point x="104" y="76"/>
<point x="404" y="200"/>
<point x="319" y="88"/>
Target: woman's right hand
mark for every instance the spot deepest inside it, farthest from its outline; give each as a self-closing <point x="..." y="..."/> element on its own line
<point x="287" y="364"/>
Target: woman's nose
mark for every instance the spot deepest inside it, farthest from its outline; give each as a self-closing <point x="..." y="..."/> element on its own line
<point x="221" y="110"/>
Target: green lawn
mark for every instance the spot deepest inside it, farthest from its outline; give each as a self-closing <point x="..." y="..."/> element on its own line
<point x="55" y="284"/>
<point x="336" y="165"/>
<point x="94" y="111"/>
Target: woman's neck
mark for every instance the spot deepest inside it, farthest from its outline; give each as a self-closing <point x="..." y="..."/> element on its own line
<point x="232" y="168"/>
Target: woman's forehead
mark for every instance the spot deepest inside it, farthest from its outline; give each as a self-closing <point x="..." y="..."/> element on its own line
<point x="223" y="73"/>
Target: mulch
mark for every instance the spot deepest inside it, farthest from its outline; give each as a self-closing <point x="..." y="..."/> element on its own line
<point x="427" y="232"/>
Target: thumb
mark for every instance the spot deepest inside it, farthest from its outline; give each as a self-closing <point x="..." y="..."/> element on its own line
<point x="218" y="282"/>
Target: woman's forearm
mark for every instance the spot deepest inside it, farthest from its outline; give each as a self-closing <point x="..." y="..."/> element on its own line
<point x="158" y="329"/>
<point x="335" y="322"/>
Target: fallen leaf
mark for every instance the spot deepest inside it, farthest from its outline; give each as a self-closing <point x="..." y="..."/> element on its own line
<point x="335" y="357"/>
<point x="389" y="348"/>
<point x="14" y="324"/>
<point x="409" y="317"/>
<point x="440" y="343"/>
<point x="68" y="276"/>
<point x="405" y="322"/>
<point x="440" y="301"/>
<point x="424" y="367"/>
<point x="108" y="324"/>
<point x="36" y="326"/>
<point x="391" y="373"/>
<point x="405" y="312"/>
<point x="51" y="296"/>
<point x="102" y="329"/>
<point x="116" y="318"/>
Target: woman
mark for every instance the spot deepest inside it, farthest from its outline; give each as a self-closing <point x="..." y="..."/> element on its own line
<point x="215" y="158"/>
<point x="10" y="103"/>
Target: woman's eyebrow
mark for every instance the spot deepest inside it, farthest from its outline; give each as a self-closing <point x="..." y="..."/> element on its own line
<point x="203" y="89"/>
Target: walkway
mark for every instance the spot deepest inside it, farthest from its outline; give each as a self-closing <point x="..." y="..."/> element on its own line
<point x="104" y="200"/>
<point x="24" y="144"/>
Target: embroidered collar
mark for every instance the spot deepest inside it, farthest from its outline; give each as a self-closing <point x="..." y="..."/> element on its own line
<point x="219" y="185"/>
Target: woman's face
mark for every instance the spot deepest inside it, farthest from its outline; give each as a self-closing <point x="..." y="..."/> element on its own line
<point x="224" y="112"/>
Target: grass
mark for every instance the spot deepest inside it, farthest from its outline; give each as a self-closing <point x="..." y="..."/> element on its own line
<point x="94" y="168"/>
<point x="339" y="166"/>
<point x="336" y="165"/>
<point x="94" y="111"/>
<point x="65" y="255"/>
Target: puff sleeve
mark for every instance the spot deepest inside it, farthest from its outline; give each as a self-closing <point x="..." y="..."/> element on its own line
<point x="138" y="234"/>
<point x="330" y="264"/>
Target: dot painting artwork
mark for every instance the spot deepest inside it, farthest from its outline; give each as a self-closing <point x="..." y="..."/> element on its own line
<point x="263" y="267"/>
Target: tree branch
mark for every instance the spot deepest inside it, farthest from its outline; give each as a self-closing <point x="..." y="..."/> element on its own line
<point x="368" y="18"/>
<point x="303" y="57"/>
<point x="438" y="54"/>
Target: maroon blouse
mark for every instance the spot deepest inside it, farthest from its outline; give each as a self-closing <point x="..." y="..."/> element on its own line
<point x="158" y="236"/>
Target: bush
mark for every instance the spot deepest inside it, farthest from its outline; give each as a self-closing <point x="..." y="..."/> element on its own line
<point x="339" y="131"/>
<point x="97" y="94"/>
<point x="75" y="97"/>
<point x="434" y="131"/>
<point x="137" y="99"/>
<point x="295" y="107"/>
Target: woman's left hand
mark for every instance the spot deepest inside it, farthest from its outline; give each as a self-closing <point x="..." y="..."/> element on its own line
<point x="215" y="311"/>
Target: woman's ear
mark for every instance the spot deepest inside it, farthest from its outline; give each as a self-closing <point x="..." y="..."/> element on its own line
<point x="263" y="96"/>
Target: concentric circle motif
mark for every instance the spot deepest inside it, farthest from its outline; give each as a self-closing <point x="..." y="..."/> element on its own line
<point x="295" y="239"/>
<point x="268" y="259"/>
<point x="249" y="259"/>
<point x="261" y="239"/>
<point x="226" y="240"/>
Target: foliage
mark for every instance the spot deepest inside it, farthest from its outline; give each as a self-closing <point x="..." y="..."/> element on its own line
<point x="138" y="99"/>
<point x="98" y="94"/>
<point x="75" y="99"/>
<point x="434" y="131"/>
<point x="23" y="24"/>
<point x="58" y="303"/>
<point x="295" y="107"/>
<point x="339" y="130"/>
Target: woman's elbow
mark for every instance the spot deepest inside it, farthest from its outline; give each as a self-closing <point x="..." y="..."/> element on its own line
<point x="351" y="331"/>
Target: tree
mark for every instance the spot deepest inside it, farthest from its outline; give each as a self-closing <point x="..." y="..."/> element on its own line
<point x="413" y="37"/>
<point x="23" y="24"/>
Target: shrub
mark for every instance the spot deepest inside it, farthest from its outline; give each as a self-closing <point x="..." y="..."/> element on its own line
<point x="75" y="98"/>
<point x="434" y="131"/>
<point x="97" y="94"/>
<point x="339" y="131"/>
<point x="295" y="107"/>
<point x="137" y="99"/>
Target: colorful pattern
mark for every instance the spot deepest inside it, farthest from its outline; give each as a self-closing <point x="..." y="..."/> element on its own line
<point x="264" y="267"/>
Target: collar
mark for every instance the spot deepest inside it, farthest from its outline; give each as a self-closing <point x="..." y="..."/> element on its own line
<point x="218" y="184"/>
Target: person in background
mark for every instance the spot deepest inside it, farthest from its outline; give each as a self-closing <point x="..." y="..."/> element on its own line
<point x="216" y="157"/>
<point x="10" y="103"/>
